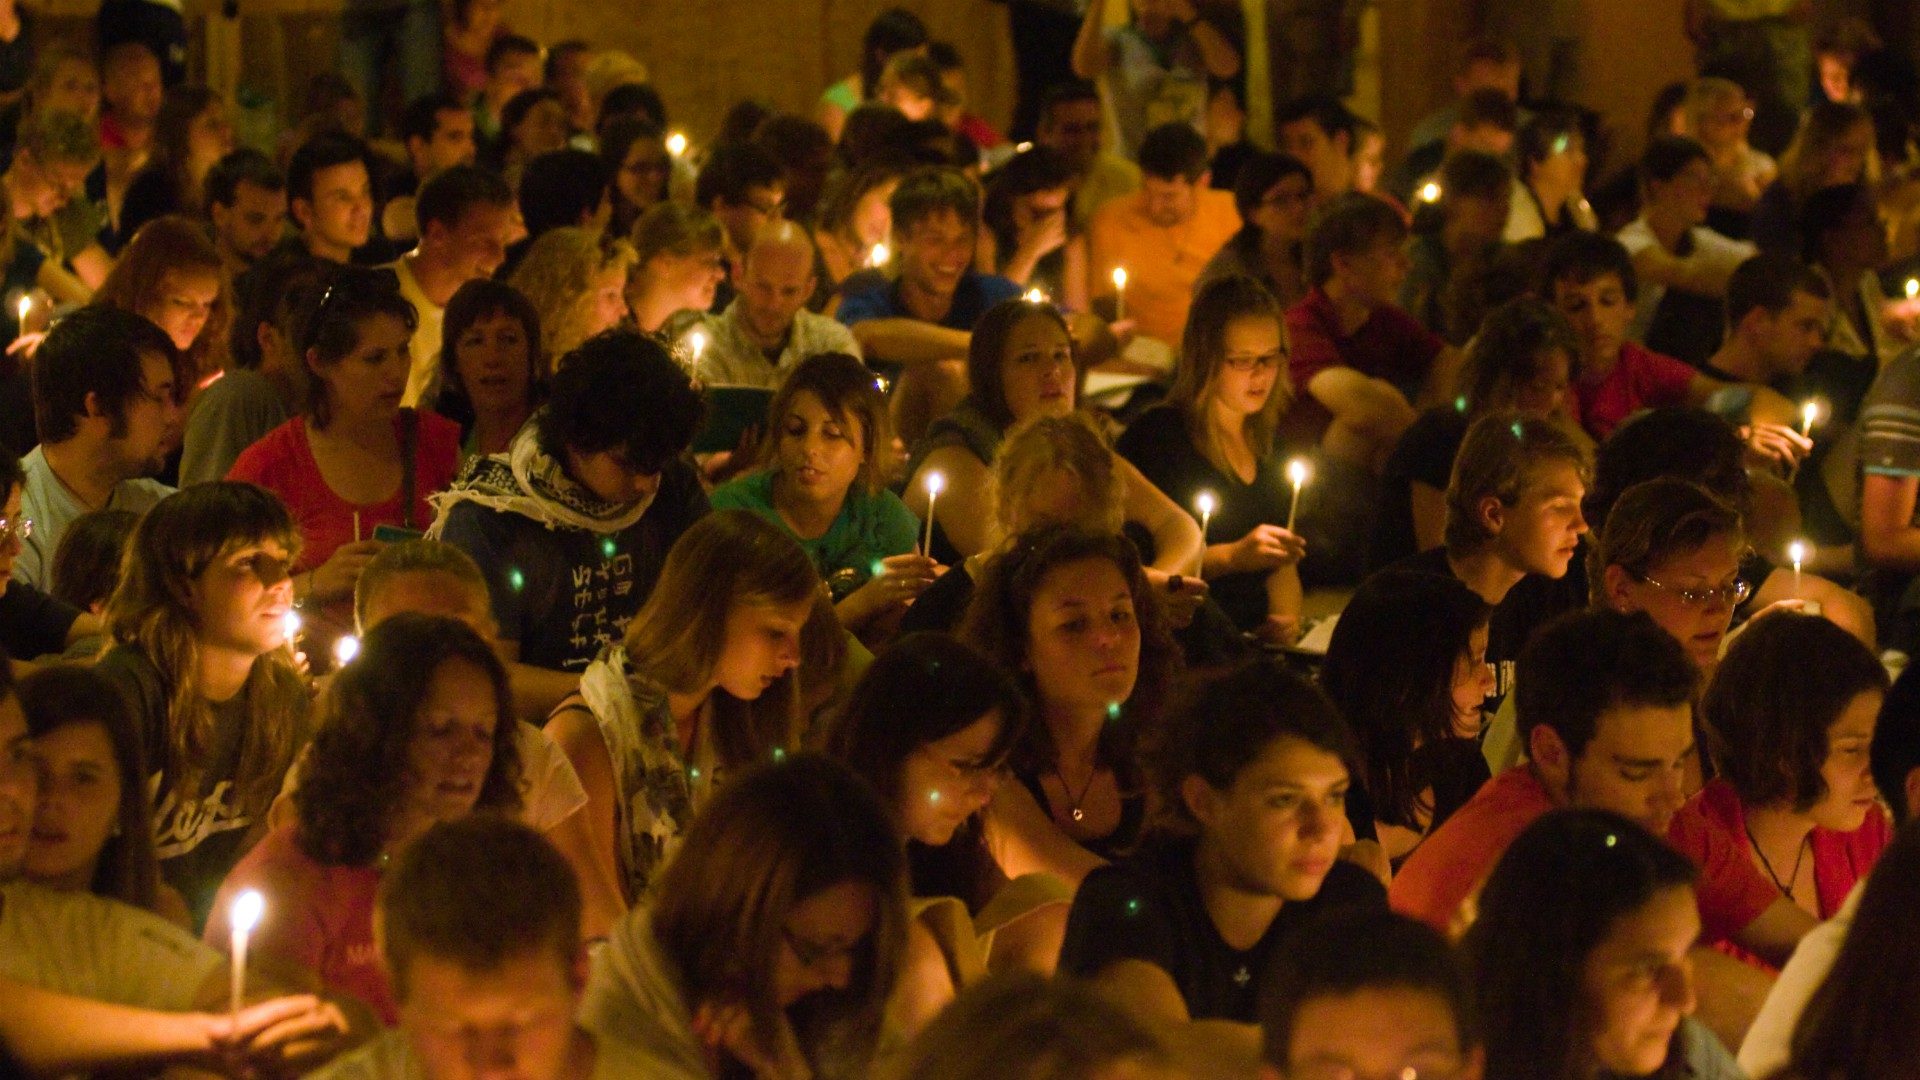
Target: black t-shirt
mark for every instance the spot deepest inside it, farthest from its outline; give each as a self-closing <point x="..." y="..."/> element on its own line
<point x="1150" y="908"/>
<point x="1530" y="604"/>
<point x="944" y="603"/>
<point x="1159" y="446"/>
<point x="33" y="624"/>
<point x="564" y="593"/>
<point x="1425" y="455"/>
<point x="1455" y="769"/>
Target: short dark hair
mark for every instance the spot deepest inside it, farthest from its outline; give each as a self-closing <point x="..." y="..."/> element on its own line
<point x="558" y="51"/>
<point x="86" y="564"/>
<point x="1540" y="137"/>
<point x="519" y="105"/>
<point x="1230" y="721"/>
<point x="1678" y="441"/>
<point x="1770" y="282"/>
<point x="1896" y="743"/>
<point x="1327" y="114"/>
<point x="1259" y="173"/>
<point x="632" y="99"/>
<point x="1506" y="353"/>
<point x="11" y="474"/>
<point x="271" y="292"/>
<point x="484" y="298"/>
<point x="1581" y="257"/>
<point x="331" y="310"/>
<point x="1065" y="92"/>
<point x="1173" y="151"/>
<point x="1474" y="174"/>
<point x="620" y="391"/>
<point x="431" y="903"/>
<point x="323" y="151"/>
<point x="421" y="120"/>
<point x="96" y="350"/>
<point x="1782" y="684"/>
<point x="447" y="196"/>
<point x="1586" y="663"/>
<point x="1345" y="952"/>
<point x="1349" y="225"/>
<point x="507" y="46"/>
<point x="733" y="170"/>
<point x="1487" y="107"/>
<point x="243" y="166"/>
<point x="927" y="191"/>
<point x="1666" y="155"/>
<point x="561" y="187"/>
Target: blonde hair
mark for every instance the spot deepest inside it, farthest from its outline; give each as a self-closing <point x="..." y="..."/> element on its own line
<point x="557" y="276"/>
<point x="152" y="611"/>
<point x="1706" y="92"/>
<point x="1804" y="162"/>
<point x="1073" y="444"/>
<point x="1203" y="351"/>
<point x="727" y="559"/>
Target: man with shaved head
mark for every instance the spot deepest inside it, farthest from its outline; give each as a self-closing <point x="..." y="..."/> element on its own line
<point x="767" y="330"/>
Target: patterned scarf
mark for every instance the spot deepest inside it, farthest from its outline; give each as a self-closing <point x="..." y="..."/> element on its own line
<point x="526" y="481"/>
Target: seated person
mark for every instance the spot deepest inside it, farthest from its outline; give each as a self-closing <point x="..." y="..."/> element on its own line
<point x="1513" y="529"/>
<point x="744" y="187"/>
<point x="53" y="154"/>
<point x="1484" y="63"/>
<point x="1682" y="265"/>
<point x="1021" y="365"/>
<point x="1591" y="279"/>
<point x="1323" y="133"/>
<point x="1619" y="910"/>
<point x="1027" y="238"/>
<point x="489" y="368"/>
<point x="417" y="730"/>
<point x="264" y="384"/>
<point x="1215" y="440"/>
<point x="480" y="932"/>
<point x="1485" y="121"/>
<point x="1407" y="667"/>
<point x="1070" y="121"/>
<point x="465" y="216"/>
<point x="1605" y="708"/>
<point x="1359" y="363"/>
<point x="1551" y="151"/>
<point x="560" y="189"/>
<point x="1790" y="716"/>
<point x="793" y="882"/>
<point x="823" y="486"/>
<point x="1161" y="235"/>
<point x="1274" y="195"/>
<point x="1519" y="361"/>
<point x="1256" y="776"/>
<point x="592" y="489"/>
<point x="88" y="563"/>
<point x="931" y="725"/>
<point x="1890" y="498"/>
<point x="246" y="207"/>
<point x="766" y="331"/>
<point x="1464" y="227"/>
<point x="1017" y="1026"/>
<point x="1370" y="993"/>
<point x="918" y="312"/>
<point x="577" y="279"/>
<point x="678" y="263"/>
<point x="88" y="982"/>
<point x="1720" y="115"/>
<point x="330" y="196"/>
<point x="32" y="623"/>
<point x="106" y="400"/>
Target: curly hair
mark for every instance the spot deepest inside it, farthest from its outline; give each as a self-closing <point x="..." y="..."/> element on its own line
<point x="998" y="620"/>
<point x="355" y="778"/>
<point x="557" y="274"/>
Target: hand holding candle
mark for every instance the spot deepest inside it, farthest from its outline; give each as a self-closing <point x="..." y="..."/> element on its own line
<point x="1298" y="472"/>
<point x="24" y="308"/>
<point x="1809" y="415"/>
<point x="243" y="917"/>
<point x="290" y="627"/>
<point x="1119" y="293"/>
<point x="935" y="482"/>
<point x="1204" y="503"/>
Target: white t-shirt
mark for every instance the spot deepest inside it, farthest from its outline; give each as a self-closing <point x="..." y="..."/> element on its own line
<point x="423" y="377"/>
<point x="1769" y="1042"/>
<point x="88" y="946"/>
<point x="1709" y="249"/>
<point x="390" y="1057"/>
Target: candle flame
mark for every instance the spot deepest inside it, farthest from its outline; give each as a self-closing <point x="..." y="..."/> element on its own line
<point x="1810" y="412"/>
<point x="1430" y="192"/>
<point x="1797" y="553"/>
<point x="1297" y="471"/>
<point x="697" y="344"/>
<point x="877" y="256"/>
<point x="25" y="305"/>
<point x="246" y="912"/>
<point x="1119" y="277"/>
<point x="936" y="483"/>
<point x="1035" y="296"/>
<point x="1913" y="288"/>
<point x="290" y="625"/>
<point x="676" y="144"/>
<point x="345" y="649"/>
<point x="1204" y="502"/>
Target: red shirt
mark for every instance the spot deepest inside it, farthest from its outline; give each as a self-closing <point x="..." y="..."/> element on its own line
<point x="1642" y="379"/>
<point x="1455" y="858"/>
<point x="320" y="917"/>
<point x="1390" y="345"/>
<point x="1840" y="860"/>
<point x="282" y="462"/>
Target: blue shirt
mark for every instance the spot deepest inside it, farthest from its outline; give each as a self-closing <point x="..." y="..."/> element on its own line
<point x="870" y="294"/>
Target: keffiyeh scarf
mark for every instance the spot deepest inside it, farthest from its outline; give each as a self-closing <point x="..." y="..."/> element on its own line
<point x="528" y="482"/>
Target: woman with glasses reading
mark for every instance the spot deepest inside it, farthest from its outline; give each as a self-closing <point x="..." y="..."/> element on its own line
<point x="1672" y="549"/>
<point x="354" y="461"/>
<point x="1215" y="437"/>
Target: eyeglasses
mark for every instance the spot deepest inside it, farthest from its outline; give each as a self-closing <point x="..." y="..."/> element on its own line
<point x="812" y="954"/>
<point x="1732" y="594"/>
<point x="1265" y="362"/>
<point x="12" y="529"/>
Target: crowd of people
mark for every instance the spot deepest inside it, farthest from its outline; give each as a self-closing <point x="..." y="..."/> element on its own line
<point x="494" y="587"/>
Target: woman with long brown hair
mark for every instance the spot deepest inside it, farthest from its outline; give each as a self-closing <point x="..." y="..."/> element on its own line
<point x="171" y="275"/>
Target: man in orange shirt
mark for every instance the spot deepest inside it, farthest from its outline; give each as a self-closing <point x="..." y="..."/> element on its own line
<point x="1163" y="234"/>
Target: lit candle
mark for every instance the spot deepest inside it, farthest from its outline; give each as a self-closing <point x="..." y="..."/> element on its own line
<point x="697" y="345"/>
<point x="25" y="306"/>
<point x="935" y="482"/>
<point x="1204" y="502"/>
<point x="1430" y="192"/>
<point x="1913" y="288"/>
<point x="243" y="917"/>
<point x="1035" y="296"/>
<point x="1119" y="293"/>
<point x="1809" y="413"/>
<point x="290" y="626"/>
<point x="677" y="144"/>
<point x="877" y="256"/>
<point x="1297" y="472"/>
<point x="1797" y="554"/>
<point x="345" y="648"/>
